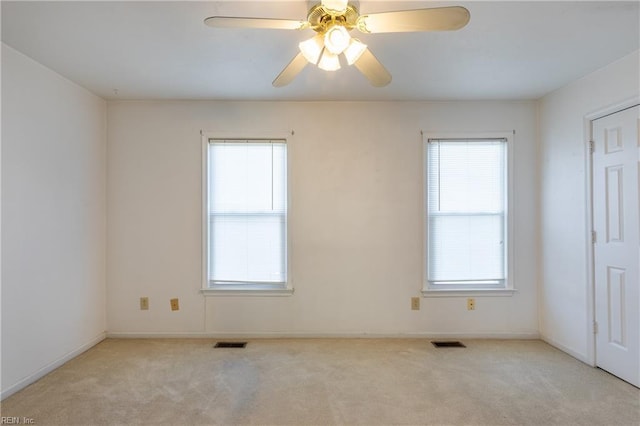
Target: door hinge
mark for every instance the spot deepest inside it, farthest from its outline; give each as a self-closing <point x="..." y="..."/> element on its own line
<point x="594" y="237"/>
<point x="592" y="147"/>
<point x="595" y="327"/>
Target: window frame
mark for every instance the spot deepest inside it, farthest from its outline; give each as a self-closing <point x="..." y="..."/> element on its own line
<point x="481" y="289"/>
<point x="243" y="289"/>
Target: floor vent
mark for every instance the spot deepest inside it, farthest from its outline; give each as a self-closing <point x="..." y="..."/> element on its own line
<point x="230" y="345"/>
<point x="447" y="344"/>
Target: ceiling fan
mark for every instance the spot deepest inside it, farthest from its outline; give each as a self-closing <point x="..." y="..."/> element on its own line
<point x="332" y="20"/>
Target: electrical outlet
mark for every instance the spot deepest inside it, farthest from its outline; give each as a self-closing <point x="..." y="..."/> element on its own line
<point x="175" y="305"/>
<point x="471" y="304"/>
<point x="144" y="303"/>
<point x="415" y="303"/>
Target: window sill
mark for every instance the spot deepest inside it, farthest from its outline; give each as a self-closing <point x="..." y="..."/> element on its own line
<point x="464" y="292"/>
<point x="246" y="290"/>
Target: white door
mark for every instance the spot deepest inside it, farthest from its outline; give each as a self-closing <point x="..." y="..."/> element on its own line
<point x="616" y="221"/>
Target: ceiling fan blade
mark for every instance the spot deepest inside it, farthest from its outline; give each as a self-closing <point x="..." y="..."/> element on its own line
<point x="290" y="71"/>
<point x="371" y="67"/>
<point x="239" y="22"/>
<point x="434" y="19"/>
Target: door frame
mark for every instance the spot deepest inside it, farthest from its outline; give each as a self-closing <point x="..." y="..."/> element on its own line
<point x="591" y="283"/>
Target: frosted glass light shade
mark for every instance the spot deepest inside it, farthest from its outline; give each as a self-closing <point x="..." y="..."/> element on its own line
<point x="355" y="49"/>
<point x="336" y="39"/>
<point x="329" y="61"/>
<point x="312" y="48"/>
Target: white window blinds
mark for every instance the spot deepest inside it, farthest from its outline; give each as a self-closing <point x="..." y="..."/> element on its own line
<point x="247" y="212"/>
<point x="466" y="212"/>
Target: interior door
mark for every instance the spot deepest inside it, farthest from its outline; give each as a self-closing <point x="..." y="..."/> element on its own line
<point x="616" y="252"/>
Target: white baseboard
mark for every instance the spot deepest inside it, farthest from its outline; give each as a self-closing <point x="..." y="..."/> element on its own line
<point x="50" y="367"/>
<point x="303" y="335"/>
<point x="567" y="350"/>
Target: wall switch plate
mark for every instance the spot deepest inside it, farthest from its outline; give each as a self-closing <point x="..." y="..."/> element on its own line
<point x="415" y="303"/>
<point x="175" y="305"/>
<point x="471" y="304"/>
<point x="144" y="303"/>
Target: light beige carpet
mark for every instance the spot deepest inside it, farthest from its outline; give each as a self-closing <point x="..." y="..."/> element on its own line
<point x="326" y="381"/>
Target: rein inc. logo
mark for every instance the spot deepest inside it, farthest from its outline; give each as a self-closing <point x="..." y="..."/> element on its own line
<point x="17" y="421"/>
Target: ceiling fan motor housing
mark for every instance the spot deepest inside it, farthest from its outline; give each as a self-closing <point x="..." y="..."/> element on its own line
<point x="320" y="20"/>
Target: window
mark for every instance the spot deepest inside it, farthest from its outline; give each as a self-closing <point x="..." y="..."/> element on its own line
<point x="467" y="215"/>
<point x="246" y="216"/>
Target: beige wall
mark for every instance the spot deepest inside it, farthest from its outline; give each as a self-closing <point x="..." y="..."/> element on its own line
<point x="355" y="219"/>
<point x="565" y="300"/>
<point x="53" y="220"/>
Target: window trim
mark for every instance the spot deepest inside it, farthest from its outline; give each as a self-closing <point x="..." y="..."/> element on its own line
<point x="247" y="289"/>
<point x="464" y="290"/>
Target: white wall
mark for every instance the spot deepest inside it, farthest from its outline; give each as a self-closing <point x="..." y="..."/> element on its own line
<point x="355" y="217"/>
<point x="564" y="287"/>
<point x="53" y="220"/>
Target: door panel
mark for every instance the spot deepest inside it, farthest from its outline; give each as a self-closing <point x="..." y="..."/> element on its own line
<point x="617" y="316"/>
<point x="616" y="205"/>
<point x="613" y="209"/>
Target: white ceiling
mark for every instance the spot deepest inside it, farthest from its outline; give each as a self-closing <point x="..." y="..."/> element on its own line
<point x="162" y="50"/>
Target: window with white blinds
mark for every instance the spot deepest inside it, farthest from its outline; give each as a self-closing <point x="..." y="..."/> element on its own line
<point x="466" y="209"/>
<point x="247" y="213"/>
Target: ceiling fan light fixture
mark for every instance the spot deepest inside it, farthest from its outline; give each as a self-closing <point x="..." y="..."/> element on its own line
<point x="335" y="7"/>
<point x="312" y="48"/>
<point x="333" y="20"/>
<point x="329" y="61"/>
<point x="355" y="49"/>
<point x="336" y="39"/>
